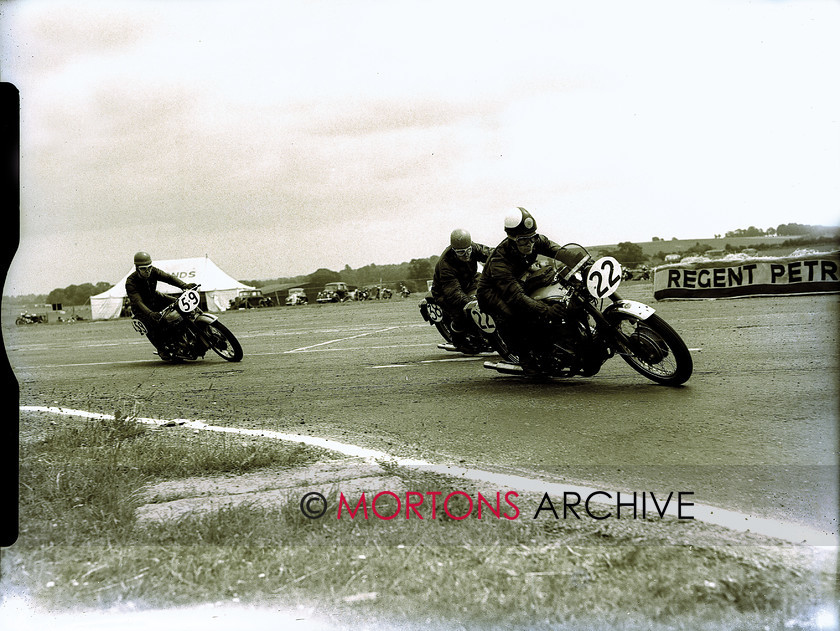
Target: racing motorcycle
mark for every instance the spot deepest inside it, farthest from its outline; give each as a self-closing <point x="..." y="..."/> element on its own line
<point x="597" y="324"/>
<point x="470" y="342"/>
<point x="189" y="332"/>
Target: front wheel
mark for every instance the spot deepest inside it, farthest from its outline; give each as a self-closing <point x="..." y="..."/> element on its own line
<point x="656" y="350"/>
<point x="223" y="342"/>
<point x="498" y="343"/>
<point x="445" y="332"/>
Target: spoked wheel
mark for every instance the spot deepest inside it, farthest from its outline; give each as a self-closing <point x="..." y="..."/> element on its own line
<point x="223" y="342"/>
<point x="656" y="350"/>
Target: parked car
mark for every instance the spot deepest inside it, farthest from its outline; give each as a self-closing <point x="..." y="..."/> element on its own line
<point x="297" y="296"/>
<point x="333" y="292"/>
<point x="249" y="298"/>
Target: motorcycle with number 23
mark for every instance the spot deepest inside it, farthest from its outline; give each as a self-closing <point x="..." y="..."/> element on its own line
<point x="189" y="332"/>
<point x="598" y="324"/>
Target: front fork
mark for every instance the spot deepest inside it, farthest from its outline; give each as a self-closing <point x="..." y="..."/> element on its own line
<point x="616" y="337"/>
<point x="630" y="307"/>
<point x="196" y="326"/>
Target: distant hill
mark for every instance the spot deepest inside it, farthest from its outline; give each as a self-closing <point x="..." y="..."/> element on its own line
<point x="767" y="246"/>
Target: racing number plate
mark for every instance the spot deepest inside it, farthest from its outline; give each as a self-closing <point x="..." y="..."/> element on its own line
<point x="188" y="301"/>
<point x="482" y="320"/>
<point x="139" y="326"/>
<point x="435" y="313"/>
<point x="604" y="277"/>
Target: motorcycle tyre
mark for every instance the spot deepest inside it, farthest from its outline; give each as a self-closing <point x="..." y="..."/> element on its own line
<point x="446" y="333"/>
<point x="676" y="347"/>
<point x="500" y="346"/>
<point x="443" y="329"/>
<point x="222" y="330"/>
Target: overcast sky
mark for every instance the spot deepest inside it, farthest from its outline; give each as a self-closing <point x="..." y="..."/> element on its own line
<point x="281" y="137"/>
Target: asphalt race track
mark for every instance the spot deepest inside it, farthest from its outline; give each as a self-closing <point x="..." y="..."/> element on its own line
<point x="753" y="430"/>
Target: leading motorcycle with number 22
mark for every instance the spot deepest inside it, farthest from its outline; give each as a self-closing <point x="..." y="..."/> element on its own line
<point x="598" y="325"/>
<point x="189" y="332"/>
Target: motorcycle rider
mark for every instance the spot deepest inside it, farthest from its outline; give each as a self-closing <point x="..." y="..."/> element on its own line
<point x="146" y="301"/>
<point x="501" y="291"/>
<point x="455" y="279"/>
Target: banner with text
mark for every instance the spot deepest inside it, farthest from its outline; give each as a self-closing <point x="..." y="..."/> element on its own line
<point x="756" y="276"/>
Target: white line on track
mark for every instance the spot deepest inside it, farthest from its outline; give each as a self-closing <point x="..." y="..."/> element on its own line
<point x="341" y="339"/>
<point x="431" y="361"/>
<point x="454" y="359"/>
<point x="469" y="358"/>
<point x="342" y="349"/>
<point x="307" y="331"/>
<point x="734" y="520"/>
<point x="314" y="348"/>
<point x="111" y="363"/>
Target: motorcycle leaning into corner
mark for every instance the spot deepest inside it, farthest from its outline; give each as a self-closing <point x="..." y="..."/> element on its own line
<point x="597" y="325"/>
<point x="472" y="341"/>
<point x="188" y="332"/>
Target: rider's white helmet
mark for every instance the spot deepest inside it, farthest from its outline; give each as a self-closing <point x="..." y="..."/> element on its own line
<point x="520" y="223"/>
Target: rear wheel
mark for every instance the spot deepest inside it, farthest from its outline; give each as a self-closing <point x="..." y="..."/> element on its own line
<point x="656" y="350"/>
<point x="223" y="342"/>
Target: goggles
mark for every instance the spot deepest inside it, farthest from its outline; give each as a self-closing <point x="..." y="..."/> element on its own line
<point x="144" y="268"/>
<point x="531" y="238"/>
<point x="462" y="251"/>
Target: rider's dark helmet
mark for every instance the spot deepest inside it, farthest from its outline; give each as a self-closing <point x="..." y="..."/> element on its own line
<point x="142" y="258"/>
<point x="520" y="223"/>
<point x="460" y="239"/>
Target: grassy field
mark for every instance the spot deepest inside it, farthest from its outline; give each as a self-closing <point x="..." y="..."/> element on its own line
<point x="81" y="546"/>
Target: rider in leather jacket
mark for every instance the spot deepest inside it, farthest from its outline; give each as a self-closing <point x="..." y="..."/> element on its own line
<point x="455" y="280"/>
<point x="501" y="291"/>
<point x="146" y="301"/>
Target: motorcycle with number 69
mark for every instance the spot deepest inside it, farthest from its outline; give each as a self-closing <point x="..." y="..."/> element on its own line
<point x="189" y="332"/>
<point x="597" y="325"/>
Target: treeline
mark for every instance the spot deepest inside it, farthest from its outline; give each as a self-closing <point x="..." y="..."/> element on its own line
<point x="701" y="248"/>
<point x="72" y="295"/>
<point x="413" y="274"/>
<point x="783" y="230"/>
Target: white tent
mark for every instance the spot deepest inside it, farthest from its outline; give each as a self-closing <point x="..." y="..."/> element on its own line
<point x="218" y="288"/>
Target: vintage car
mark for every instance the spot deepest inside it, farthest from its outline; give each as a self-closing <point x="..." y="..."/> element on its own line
<point x="249" y="298"/>
<point x="334" y="292"/>
<point x="297" y="296"/>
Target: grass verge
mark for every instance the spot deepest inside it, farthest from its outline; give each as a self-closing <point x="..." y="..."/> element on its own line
<point x="81" y="546"/>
